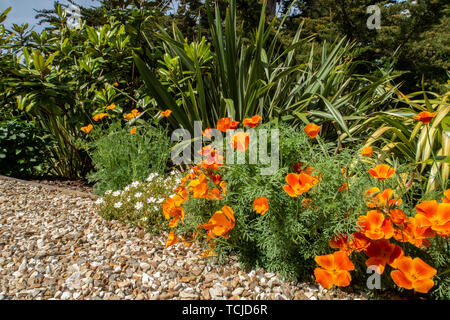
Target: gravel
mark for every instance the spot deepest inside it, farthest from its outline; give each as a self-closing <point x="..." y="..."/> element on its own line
<point x="53" y="245"/>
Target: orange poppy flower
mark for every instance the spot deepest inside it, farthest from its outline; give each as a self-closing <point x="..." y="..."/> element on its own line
<point x="434" y="215"/>
<point x="382" y="172"/>
<point x="367" y="151"/>
<point x="220" y="223"/>
<point x="213" y="194"/>
<point x="414" y="234"/>
<point x="398" y="217"/>
<point x="414" y="274"/>
<point x="425" y="116"/>
<point x="199" y="187"/>
<point x="312" y="130"/>
<point x="344" y="187"/>
<point x="111" y="107"/>
<point x="234" y="124"/>
<point x="87" y="128"/>
<point x="115" y="84"/>
<point x="133" y="131"/>
<point x="133" y="114"/>
<point x="214" y="161"/>
<point x="447" y="196"/>
<point x="223" y="186"/>
<point x="172" y="239"/>
<point x="299" y="184"/>
<point x="99" y="116"/>
<point x="377" y="199"/>
<point x="240" y="141"/>
<point x="252" y="122"/>
<point x="223" y="124"/>
<point x="358" y="242"/>
<point x="261" y="205"/>
<point x="166" y="113"/>
<point x="172" y="210"/>
<point x="207" y="132"/>
<point x="380" y="253"/>
<point x="349" y="243"/>
<point x="340" y="241"/>
<point x="374" y="225"/>
<point x="334" y="270"/>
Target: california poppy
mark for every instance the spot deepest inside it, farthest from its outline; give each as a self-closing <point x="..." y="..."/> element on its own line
<point x="380" y="199"/>
<point x="252" y="122"/>
<point x="367" y="151"/>
<point x="234" y="124"/>
<point x="312" y="130"/>
<point x="99" y="116"/>
<point x="172" y="210"/>
<point x="414" y="274"/>
<point x="382" y="172"/>
<point x="261" y="205"/>
<point x="240" y="140"/>
<point x="299" y="184"/>
<point x="413" y="233"/>
<point x="133" y="114"/>
<point x="220" y="223"/>
<point x="425" y="116"/>
<point x="223" y="124"/>
<point x="343" y="187"/>
<point x="111" y="107"/>
<point x="172" y="239"/>
<point x="87" y="128"/>
<point x="380" y="253"/>
<point x="133" y="131"/>
<point x="166" y="113"/>
<point x="375" y="226"/>
<point x="199" y="187"/>
<point x="334" y="270"/>
<point x="434" y="215"/>
<point x="447" y="196"/>
<point x="397" y="216"/>
<point x="207" y="132"/>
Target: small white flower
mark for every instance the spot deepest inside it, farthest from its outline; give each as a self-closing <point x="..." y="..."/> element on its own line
<point x="160" y="200"/>
<point x="135" y="184"/>
<point x="172" y="173"/>
<point x="116" y="193"/>
<point x="117" y="205"/>
<point x="138" y="195"/>
<point x="127" y="188"/>
<point x="108" y="191"/>
<point x="128" y="199"/>
<point x="138" y="206"/>
<point x="99" y="201"/>
<point x="151" y="200"/>
<point x="155" y="208"/>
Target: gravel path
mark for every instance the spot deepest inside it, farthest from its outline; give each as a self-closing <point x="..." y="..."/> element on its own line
<point x="54" y="246"/>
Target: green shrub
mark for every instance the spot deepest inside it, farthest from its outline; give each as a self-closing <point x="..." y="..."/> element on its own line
<point x="22" y="149"/>
<point x="288" y="237"/>
<point x="120" y="157"/>
<point x="139" y="203"/>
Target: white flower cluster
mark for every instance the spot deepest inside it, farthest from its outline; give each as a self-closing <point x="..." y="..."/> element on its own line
<point x="152" y="176"/>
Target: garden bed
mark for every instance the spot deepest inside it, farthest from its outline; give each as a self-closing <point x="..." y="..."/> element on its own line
<point x="55" y="246"/>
